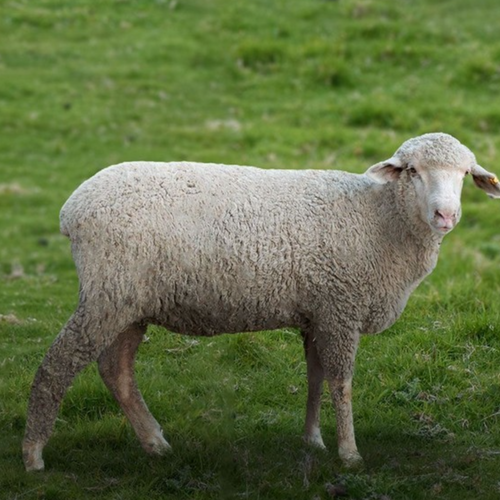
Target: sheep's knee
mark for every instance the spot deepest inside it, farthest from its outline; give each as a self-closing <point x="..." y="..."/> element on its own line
<point x="32" y="456"/>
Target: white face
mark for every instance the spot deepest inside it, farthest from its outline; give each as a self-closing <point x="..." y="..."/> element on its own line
<point x="436" y="165"/>
<point x="438" y="195"/>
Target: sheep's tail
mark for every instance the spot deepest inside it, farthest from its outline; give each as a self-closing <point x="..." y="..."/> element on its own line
<point x="64" y="229"/>
<point x="63" y="222"/>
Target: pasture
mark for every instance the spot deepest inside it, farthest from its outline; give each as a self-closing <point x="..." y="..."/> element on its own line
<point x="276" y="84"/>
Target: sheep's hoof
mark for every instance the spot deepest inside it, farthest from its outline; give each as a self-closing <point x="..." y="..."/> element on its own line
<point x="315" y="440"/>
<point x="32" y="457"/>
<point x="352" y="460"/>
<point x="157" y="446"/>
<point x="35" y="466"/>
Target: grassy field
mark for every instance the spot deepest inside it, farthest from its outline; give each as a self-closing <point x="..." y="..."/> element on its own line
<point x="302" y="84"/>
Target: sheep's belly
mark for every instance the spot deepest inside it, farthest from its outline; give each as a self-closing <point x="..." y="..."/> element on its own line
<point x="194" y="322"/>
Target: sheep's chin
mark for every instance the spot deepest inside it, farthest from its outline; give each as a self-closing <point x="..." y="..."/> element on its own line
<point x="440" y="230"/>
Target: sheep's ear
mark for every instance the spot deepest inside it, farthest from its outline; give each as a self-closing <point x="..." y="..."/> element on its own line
<point x="486" y="181"/>
<point x="385" y="171"/>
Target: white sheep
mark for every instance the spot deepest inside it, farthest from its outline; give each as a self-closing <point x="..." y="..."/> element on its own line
<point x="204" y="249"/>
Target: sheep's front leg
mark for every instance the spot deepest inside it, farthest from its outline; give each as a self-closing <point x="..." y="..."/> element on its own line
<point x="116" y="367"/>
<point x="337" y="351"/>
<point x="341" y="392"/>
<point x="315" y="377"/>
<point x="73" y="349"/>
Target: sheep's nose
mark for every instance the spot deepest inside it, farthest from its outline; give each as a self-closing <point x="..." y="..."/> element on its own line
<point x="445" y="219"/>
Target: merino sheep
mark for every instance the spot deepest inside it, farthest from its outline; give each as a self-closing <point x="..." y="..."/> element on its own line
<point x="204" y="249"/>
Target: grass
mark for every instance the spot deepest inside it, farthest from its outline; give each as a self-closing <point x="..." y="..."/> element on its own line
<point x="303" y="84"/>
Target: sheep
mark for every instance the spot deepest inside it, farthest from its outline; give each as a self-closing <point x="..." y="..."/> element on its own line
<point x="206" y="249"/>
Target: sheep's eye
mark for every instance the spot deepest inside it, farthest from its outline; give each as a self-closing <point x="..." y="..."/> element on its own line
<point x="467" y="172"/>
<point x="413" y="171"/>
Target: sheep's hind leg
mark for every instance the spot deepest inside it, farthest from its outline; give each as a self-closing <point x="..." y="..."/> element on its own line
<point x="315" y="377"/>
<point x="116" y="366"/>
<point x="73" y="349"/>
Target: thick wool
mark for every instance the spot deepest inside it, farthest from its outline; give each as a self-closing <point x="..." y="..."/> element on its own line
<point x="204" y="249"/>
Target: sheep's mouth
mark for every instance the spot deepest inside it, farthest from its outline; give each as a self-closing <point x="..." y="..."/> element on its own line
<point x="441" y="227"/>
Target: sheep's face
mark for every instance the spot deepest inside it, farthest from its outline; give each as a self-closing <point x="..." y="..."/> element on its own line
<point x="438" y="193"/>
<point x="432" y="167"/>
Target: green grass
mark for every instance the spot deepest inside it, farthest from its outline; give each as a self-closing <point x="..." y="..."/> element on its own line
<point x="303" y="84"/>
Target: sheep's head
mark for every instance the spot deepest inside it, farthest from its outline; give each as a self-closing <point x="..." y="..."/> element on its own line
<point x="435" y="166"/>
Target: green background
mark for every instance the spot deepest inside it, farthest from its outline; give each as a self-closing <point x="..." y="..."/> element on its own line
<point x="276" y="84"/>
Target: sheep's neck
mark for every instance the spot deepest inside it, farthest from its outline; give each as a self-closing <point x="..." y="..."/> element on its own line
<point x="412" y="238"/>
